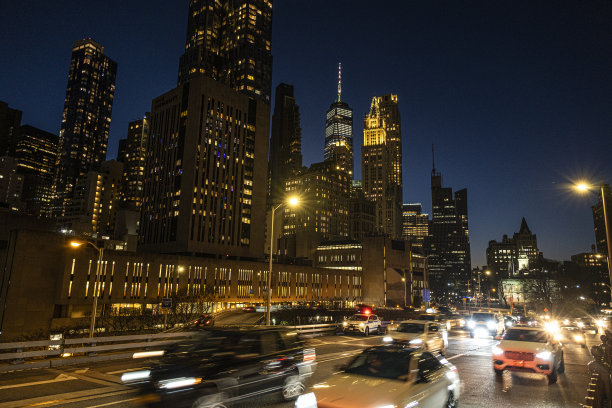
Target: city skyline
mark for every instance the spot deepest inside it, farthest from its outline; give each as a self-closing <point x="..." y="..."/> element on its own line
<point x="508" y="176"/>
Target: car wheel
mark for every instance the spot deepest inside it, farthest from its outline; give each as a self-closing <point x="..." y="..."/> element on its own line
<point x="451" y="402"/>
<point x="209" y="401"/>
<point x="293" y="388"/>
<point x="498" y="372"/>
<point x="552" y="377"/>
<point x="366" y="331"/>
<point x="561" y="369"/>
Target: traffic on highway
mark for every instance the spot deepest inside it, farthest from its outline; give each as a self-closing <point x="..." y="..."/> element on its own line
<point x="367" y="362"/>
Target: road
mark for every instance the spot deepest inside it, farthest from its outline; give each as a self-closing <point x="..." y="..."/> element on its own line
<point x="99" y="385"/>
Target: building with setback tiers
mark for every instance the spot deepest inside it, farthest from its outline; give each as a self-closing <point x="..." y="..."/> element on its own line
<point x="512" y="255"/>
<point x="339" y="132"/>
<point x="448" y="243"/>
<point x="86" y="117"/>
<point x="230" y="41"/>
<point x="382" y="163"/>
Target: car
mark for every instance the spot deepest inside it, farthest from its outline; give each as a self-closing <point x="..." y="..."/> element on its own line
<point x="529" y="349"/>
<point x="509" y="321"/>
<point x="439" y="318"/>
<point x="572" y="334"/>
<point x="223" y="367"/>
<point x="427" y="335"/>
<point x="481" y="324"/>
<point x="390" y="375"/>
<point x="362" y="323"/>
<point x="249" y="309"/>
<point x="586" y="324"/>
<point x="204" y="320"/>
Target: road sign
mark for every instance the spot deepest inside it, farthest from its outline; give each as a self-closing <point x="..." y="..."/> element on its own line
<point x="426" y="295"/>
<point x="166" y="303"/>
<point x="251" y="292"/>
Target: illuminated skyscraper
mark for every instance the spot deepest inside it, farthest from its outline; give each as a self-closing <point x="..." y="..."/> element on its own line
<point x="415" y="224"/>
<point x="86" y="117"/>
<point x="382" y="163"/>
<point x="339" y="132"/>
<point x="230" y="41"/>
<point x="132" y="154"/>
<point x="285" y="143"/>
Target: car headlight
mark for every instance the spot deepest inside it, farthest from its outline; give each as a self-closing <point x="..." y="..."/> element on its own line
<point x="491" y="325"/>
<point x="179" y="382"/>
<point x="415" y="341"/>
<point x="135" y="375"/>
<point x="544" y="355"/>
<point x="578" y="337"/>
<point x="497" y="351"/>
<point x="361" y="324"/>
<point x="387" y="339"/>
<point x="600" y="323"/>
<point x="471" y="324"/>
<point x="344" y="324"/>
<point x="462" y="322"/>
<point x="306" y="401"/>
<point x="509" y="323"/>
<point x="580" y="324"/>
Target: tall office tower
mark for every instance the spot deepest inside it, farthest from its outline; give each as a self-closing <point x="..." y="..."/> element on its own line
<point x="86" y="117"/>
<point x="323" y="212"/>
<point x="598" y="220"/>
<point x="133" y="156"/>
<point x="382" y="163"/>
<point x="11" y="184"/>
<point x="36" y="152"/>
<point x="285" y="143"/>
<point x="448" y="242"/>
<point x="10" y="121"/>
<point x="415" y="226"/>
<point x="93" y="206"/>
<point x="206" y="172"/>
<point x="339" y="132"/>
<point x="230" y="41"/>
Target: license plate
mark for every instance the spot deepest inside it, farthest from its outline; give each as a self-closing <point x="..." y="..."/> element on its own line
<point x="520" y="363"/>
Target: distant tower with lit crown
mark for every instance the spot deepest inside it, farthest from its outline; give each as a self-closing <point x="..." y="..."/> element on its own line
<point x="339" y="132"/>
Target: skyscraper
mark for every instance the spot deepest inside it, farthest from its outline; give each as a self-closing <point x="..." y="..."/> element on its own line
<point x="285" y="143"/>
<point x="448" y="242"/>
<point x="382" y="163"/>
<point x="36" y="152"/>
<point x="230" y="41"/>
<point x="133" y="156"/>
<point x="86" y="117"/>
<point x="10" y="120"/>
<point x="339" y="132"/>
<point x="598" y="220"/>
<point x="415" y="227"/>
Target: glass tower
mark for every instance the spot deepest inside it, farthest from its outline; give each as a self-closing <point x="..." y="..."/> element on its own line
<point x="339" y="132"/>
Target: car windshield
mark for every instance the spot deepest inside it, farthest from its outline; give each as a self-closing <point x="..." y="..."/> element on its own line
<point x="411" y="328"/>
<point x="536" y="336"/>
<point x="482" y="316"/>
<point x="359" y="318"/>
<point x="390" y="364"/>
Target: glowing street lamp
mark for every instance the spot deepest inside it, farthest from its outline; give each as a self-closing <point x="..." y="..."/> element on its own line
<point x="77" y="244"/>
<point x="292" y="202"/>
<point x="583" y="187"/>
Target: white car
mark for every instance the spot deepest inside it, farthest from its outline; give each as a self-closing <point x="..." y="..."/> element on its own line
<point x="529" y="349"/>
<point x="483" y="324"/>
<point x="427" y="335"/>
<point x="388" y="376"/>
<point x="362" y="323"/>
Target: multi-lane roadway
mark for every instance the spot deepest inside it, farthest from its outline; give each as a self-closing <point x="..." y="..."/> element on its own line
<point x="99" y="385"/>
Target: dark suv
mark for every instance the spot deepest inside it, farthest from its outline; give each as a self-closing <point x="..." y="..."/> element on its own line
<point x="221" y="367"/>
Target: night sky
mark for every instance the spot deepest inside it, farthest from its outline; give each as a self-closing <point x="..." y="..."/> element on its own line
<point x="516" y="96"/>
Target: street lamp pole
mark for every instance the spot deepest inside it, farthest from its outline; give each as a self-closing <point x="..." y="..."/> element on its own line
<point x="94" y="308"/>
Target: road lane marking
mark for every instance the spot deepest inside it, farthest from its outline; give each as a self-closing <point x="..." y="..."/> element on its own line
<point x="59" y="378"/>
<point x="112" y="403"/>
<point x="67" y="397"/>
<point x="127" y="370"/>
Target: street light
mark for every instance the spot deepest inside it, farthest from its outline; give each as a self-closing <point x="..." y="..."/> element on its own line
<point x="77" y="244"/>
<point x="583" y="188"/>
<point x="292" y="202"/>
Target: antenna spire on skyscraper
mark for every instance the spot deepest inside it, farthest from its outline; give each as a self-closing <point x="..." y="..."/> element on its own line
<point x="339" y="82"/>
<point x="433" y="160"/>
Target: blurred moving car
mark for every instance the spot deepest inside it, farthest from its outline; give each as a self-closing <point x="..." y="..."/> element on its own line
<point x="362" y="323"/>
<point x="427" y="335"/>
<point x="572" y="334"/>
<point x="249" y="309"/>
<point x="221" y="367"/>
<point x="388" y="376"/>
<point x="204" y="320"/>
<point x="528" y="349"/>
<point x="587" y="324"/>
<point x="482" y="324"/>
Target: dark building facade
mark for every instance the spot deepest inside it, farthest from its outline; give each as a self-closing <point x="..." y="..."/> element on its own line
<point x="448" y="243"/>
<point x="382" y="163"/>
<point x="415" y="225"/>
<point x="512" y="255"/>
<point x="133" y="155"/>
<point x="10" y="121"/>
<point x="598" y="220"/>
<point x="206" y="172"/>
<point x="339" y="132"/>
<point x="230" y="41"/>
<point x="86" y="117"/>
<point x="285" y="143"/>
<point x="36" y="153"/>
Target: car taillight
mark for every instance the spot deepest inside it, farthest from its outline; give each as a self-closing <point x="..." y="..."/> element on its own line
<point x="310" y="355"/>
